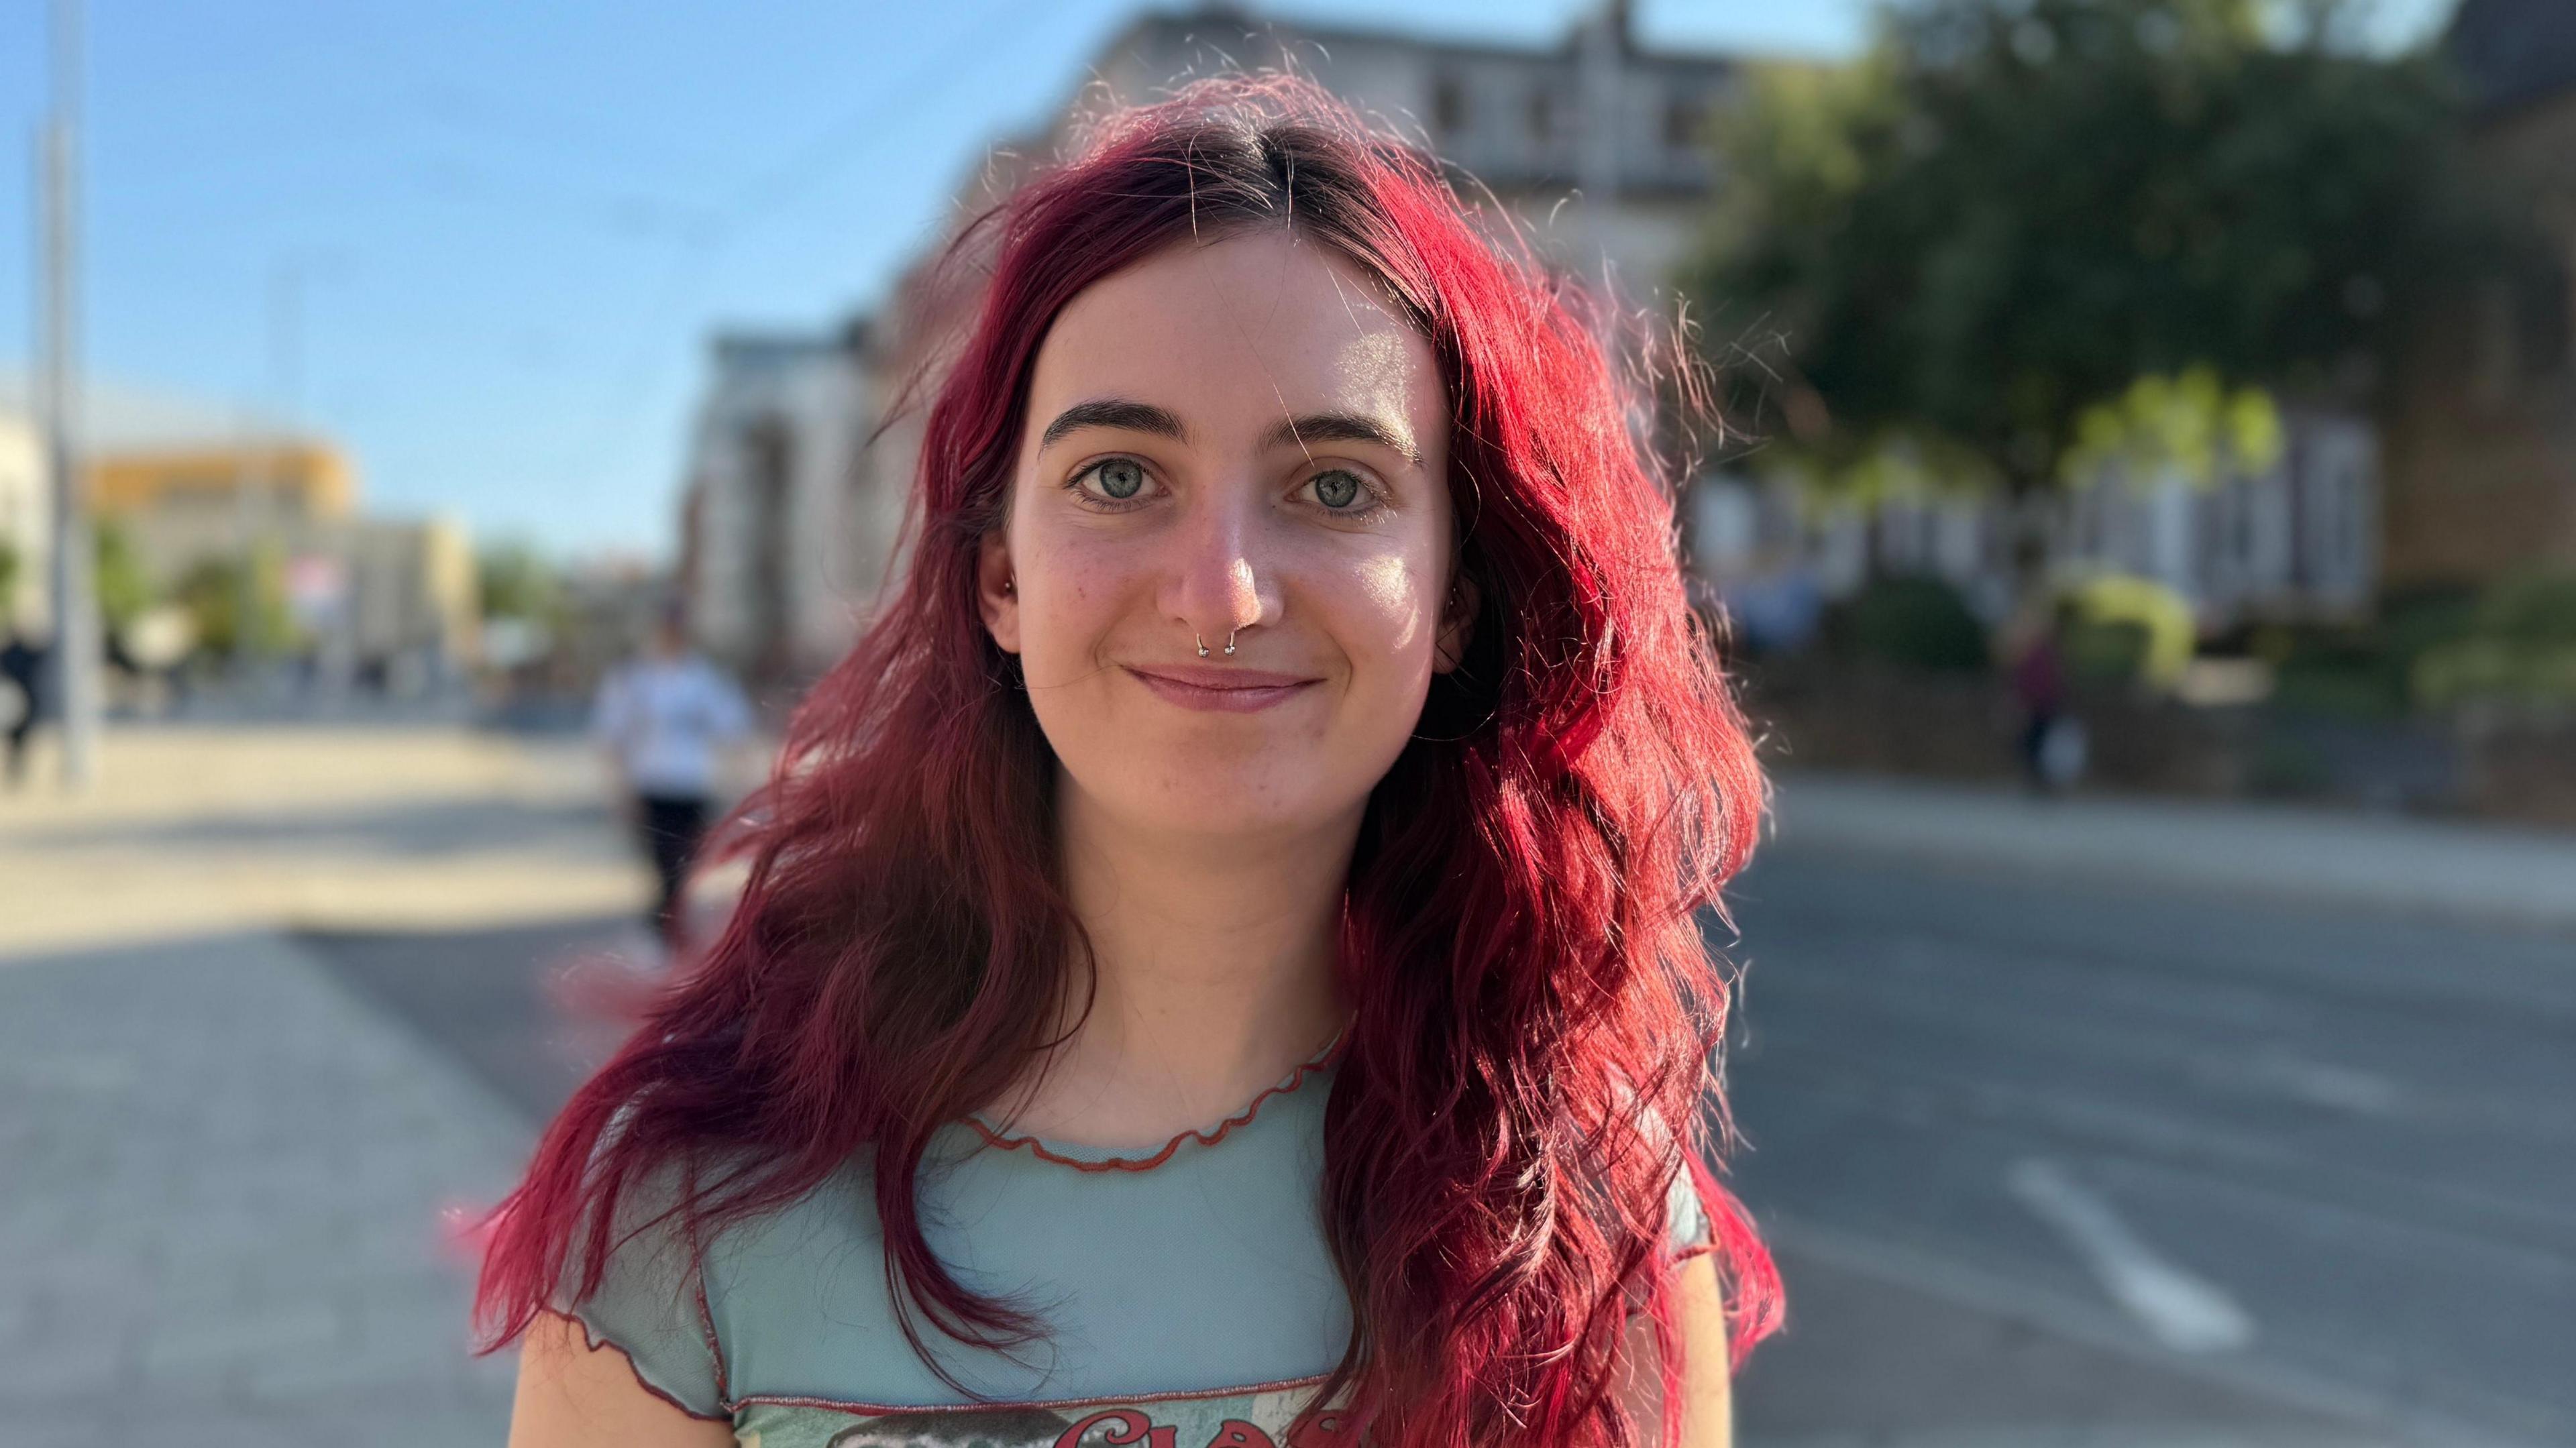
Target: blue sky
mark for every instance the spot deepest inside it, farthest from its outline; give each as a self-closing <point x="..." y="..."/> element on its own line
<point x="507" y="228"/>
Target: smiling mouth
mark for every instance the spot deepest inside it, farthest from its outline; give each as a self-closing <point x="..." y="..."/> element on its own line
<point x="1227" y="691"/>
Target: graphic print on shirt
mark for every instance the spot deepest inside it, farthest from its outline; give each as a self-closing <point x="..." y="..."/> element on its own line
<point x="1244" y="1420"/>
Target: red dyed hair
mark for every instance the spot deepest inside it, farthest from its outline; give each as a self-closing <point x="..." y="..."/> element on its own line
<point x="1521" y="942"/>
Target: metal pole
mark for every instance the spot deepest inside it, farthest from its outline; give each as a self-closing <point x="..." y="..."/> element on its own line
<point x="1600" y="57"/>
<point x="75" y="655"/>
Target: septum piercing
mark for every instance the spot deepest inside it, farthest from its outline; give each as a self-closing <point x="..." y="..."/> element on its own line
<point x="1229" y="643"/>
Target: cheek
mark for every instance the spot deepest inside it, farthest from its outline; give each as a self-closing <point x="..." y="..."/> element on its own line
<point x="1385" y="609"/>
<point x="1067" y="592"/>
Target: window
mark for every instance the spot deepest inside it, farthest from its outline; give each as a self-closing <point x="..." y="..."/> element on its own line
<point x="1448" y="106"/>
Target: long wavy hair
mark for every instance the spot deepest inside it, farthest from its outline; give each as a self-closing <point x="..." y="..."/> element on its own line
<point x="1533" y="1054"/>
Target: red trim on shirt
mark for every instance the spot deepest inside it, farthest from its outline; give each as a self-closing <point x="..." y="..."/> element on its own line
<point x="1006" y="1405"/>
<point x="596" y="1343"/>
<point x="707" y="1324"/>
<point x="991" y="1137"/>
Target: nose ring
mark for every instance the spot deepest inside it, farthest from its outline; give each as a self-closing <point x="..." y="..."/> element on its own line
<point x="1229" y="643"/>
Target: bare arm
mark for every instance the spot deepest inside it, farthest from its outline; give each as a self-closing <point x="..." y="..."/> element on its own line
<point x="1699" y="1322"/>
<point x="574" y="1396"/>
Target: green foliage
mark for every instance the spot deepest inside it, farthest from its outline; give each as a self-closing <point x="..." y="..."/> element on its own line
<point x="2520" y="648"/>
<point x="2190" y="425"/>
<point x="1915" y="622"/>
<point x="2434" y="649"/>
<point x="215" y="592"/>
<point x="514" y="580"/>
<point x="2417" y="619"/>
<point x="2288" y="765"/>
<point x="9" y="566"/>
<point x="125" y="591"/>
<point x="2012" y="210"/>
<point x="2107" y="650"/>
<point x="2353" y="673"/>
<point x="2121" y="628"/>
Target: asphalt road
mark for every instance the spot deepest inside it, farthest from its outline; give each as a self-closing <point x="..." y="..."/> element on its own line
<point x="2048" y="1164"/>
<point x="2234" y="1156"/>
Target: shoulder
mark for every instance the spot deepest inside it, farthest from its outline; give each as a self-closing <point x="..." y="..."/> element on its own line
<point x="705" y="674"/>
<point x="1684" y="1211"/>
<point x="649" y="1298"/>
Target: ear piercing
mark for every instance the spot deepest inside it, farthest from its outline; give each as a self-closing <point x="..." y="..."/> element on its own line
<point x="1229" y="643"/>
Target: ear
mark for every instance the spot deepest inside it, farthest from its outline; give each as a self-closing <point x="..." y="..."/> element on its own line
<point x="997" y="593"/>
<point x="1457" y="625"/>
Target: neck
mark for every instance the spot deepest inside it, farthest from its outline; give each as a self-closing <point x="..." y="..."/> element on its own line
<point x="1215" y="973"/>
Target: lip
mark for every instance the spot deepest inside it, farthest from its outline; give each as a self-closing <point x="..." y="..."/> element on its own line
<point x="1224" y="691"/>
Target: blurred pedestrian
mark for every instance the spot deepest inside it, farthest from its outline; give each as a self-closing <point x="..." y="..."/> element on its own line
<point x="2051" y="742"/>
<point x="22" y="664"/>
<point x="664" y="720"/>
<point x="1222" y="957"/>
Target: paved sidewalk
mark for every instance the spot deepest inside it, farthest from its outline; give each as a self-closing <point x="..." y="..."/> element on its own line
<point x="196" y="830"/>
<point x="232" y="1235"/>
<point x="2490" y="874"/>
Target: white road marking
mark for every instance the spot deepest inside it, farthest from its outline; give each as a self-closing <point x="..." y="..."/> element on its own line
<point x="2182" y="1311"/>
<point x="2319" y="1084"/>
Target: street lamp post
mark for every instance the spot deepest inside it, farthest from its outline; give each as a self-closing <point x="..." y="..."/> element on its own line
<point x="75" y="655"/>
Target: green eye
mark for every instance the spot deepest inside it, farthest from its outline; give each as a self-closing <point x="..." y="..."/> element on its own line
<point x="1120" y="478"/>
<point x="1337" y="490"/>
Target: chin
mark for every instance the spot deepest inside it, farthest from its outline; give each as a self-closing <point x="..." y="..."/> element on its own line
<point x="1247" y="798"/>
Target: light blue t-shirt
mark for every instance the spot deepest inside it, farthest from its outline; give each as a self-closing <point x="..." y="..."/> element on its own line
<point x="1189" y="1290"/>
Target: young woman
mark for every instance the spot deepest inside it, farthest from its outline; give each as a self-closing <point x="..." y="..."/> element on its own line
<point x="1221" y="961"/>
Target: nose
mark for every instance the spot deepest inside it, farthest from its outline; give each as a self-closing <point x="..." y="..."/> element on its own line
<point x="1217" y="583"/>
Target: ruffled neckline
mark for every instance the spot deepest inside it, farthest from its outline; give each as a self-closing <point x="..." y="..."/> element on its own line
<point x="1103" y="1159"/>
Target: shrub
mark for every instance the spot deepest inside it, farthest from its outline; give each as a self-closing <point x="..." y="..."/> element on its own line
<point x="2520" y="648"/>
<point x="1909" y="620"/>
<point x="2119" y="627"/>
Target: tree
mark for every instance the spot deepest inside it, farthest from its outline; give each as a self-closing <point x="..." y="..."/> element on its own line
<point x="213" y="591"/>
<point x="124" y="588"/>
<point x="1968" y="248"/>
<point x="515" y="580"/>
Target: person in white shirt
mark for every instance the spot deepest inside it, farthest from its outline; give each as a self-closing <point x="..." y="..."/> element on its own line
<point x="664" y="718"/>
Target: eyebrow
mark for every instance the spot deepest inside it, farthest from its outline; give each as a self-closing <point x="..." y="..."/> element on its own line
<point x="1342" y="427"/>
<point x="1115" y="412"/>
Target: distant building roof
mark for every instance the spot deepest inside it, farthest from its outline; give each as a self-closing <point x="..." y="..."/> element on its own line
<point x="1503" y="111"/>
<point x="2513" y="52"/>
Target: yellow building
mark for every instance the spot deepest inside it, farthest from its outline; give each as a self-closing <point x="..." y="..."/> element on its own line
<point x="186" y="482"/>
<point x="181" y="501"/>
<point x="383" y="595"/>
<point x="286" y="478"/>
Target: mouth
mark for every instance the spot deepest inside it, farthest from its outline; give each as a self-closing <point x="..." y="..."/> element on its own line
<point x="1224" y="691"/>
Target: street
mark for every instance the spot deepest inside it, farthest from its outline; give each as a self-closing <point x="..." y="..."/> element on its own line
<point x="2049" y="1159"/>
<point x="2307" y="1154"/>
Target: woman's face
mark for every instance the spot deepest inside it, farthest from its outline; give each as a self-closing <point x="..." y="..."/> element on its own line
<point x="1229" y="441"/>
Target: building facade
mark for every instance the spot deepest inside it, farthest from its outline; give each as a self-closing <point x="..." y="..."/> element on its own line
<point x="2482" y="431"/>
<point x="783" y="542"/>
<point x="2297" y="542"/>
<point x="188" y="483"/>
<point x="220" y="498"/>
<point x="1594" y="147"/>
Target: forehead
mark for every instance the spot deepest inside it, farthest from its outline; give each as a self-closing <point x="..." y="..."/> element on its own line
<point x="1232" y="333"/>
